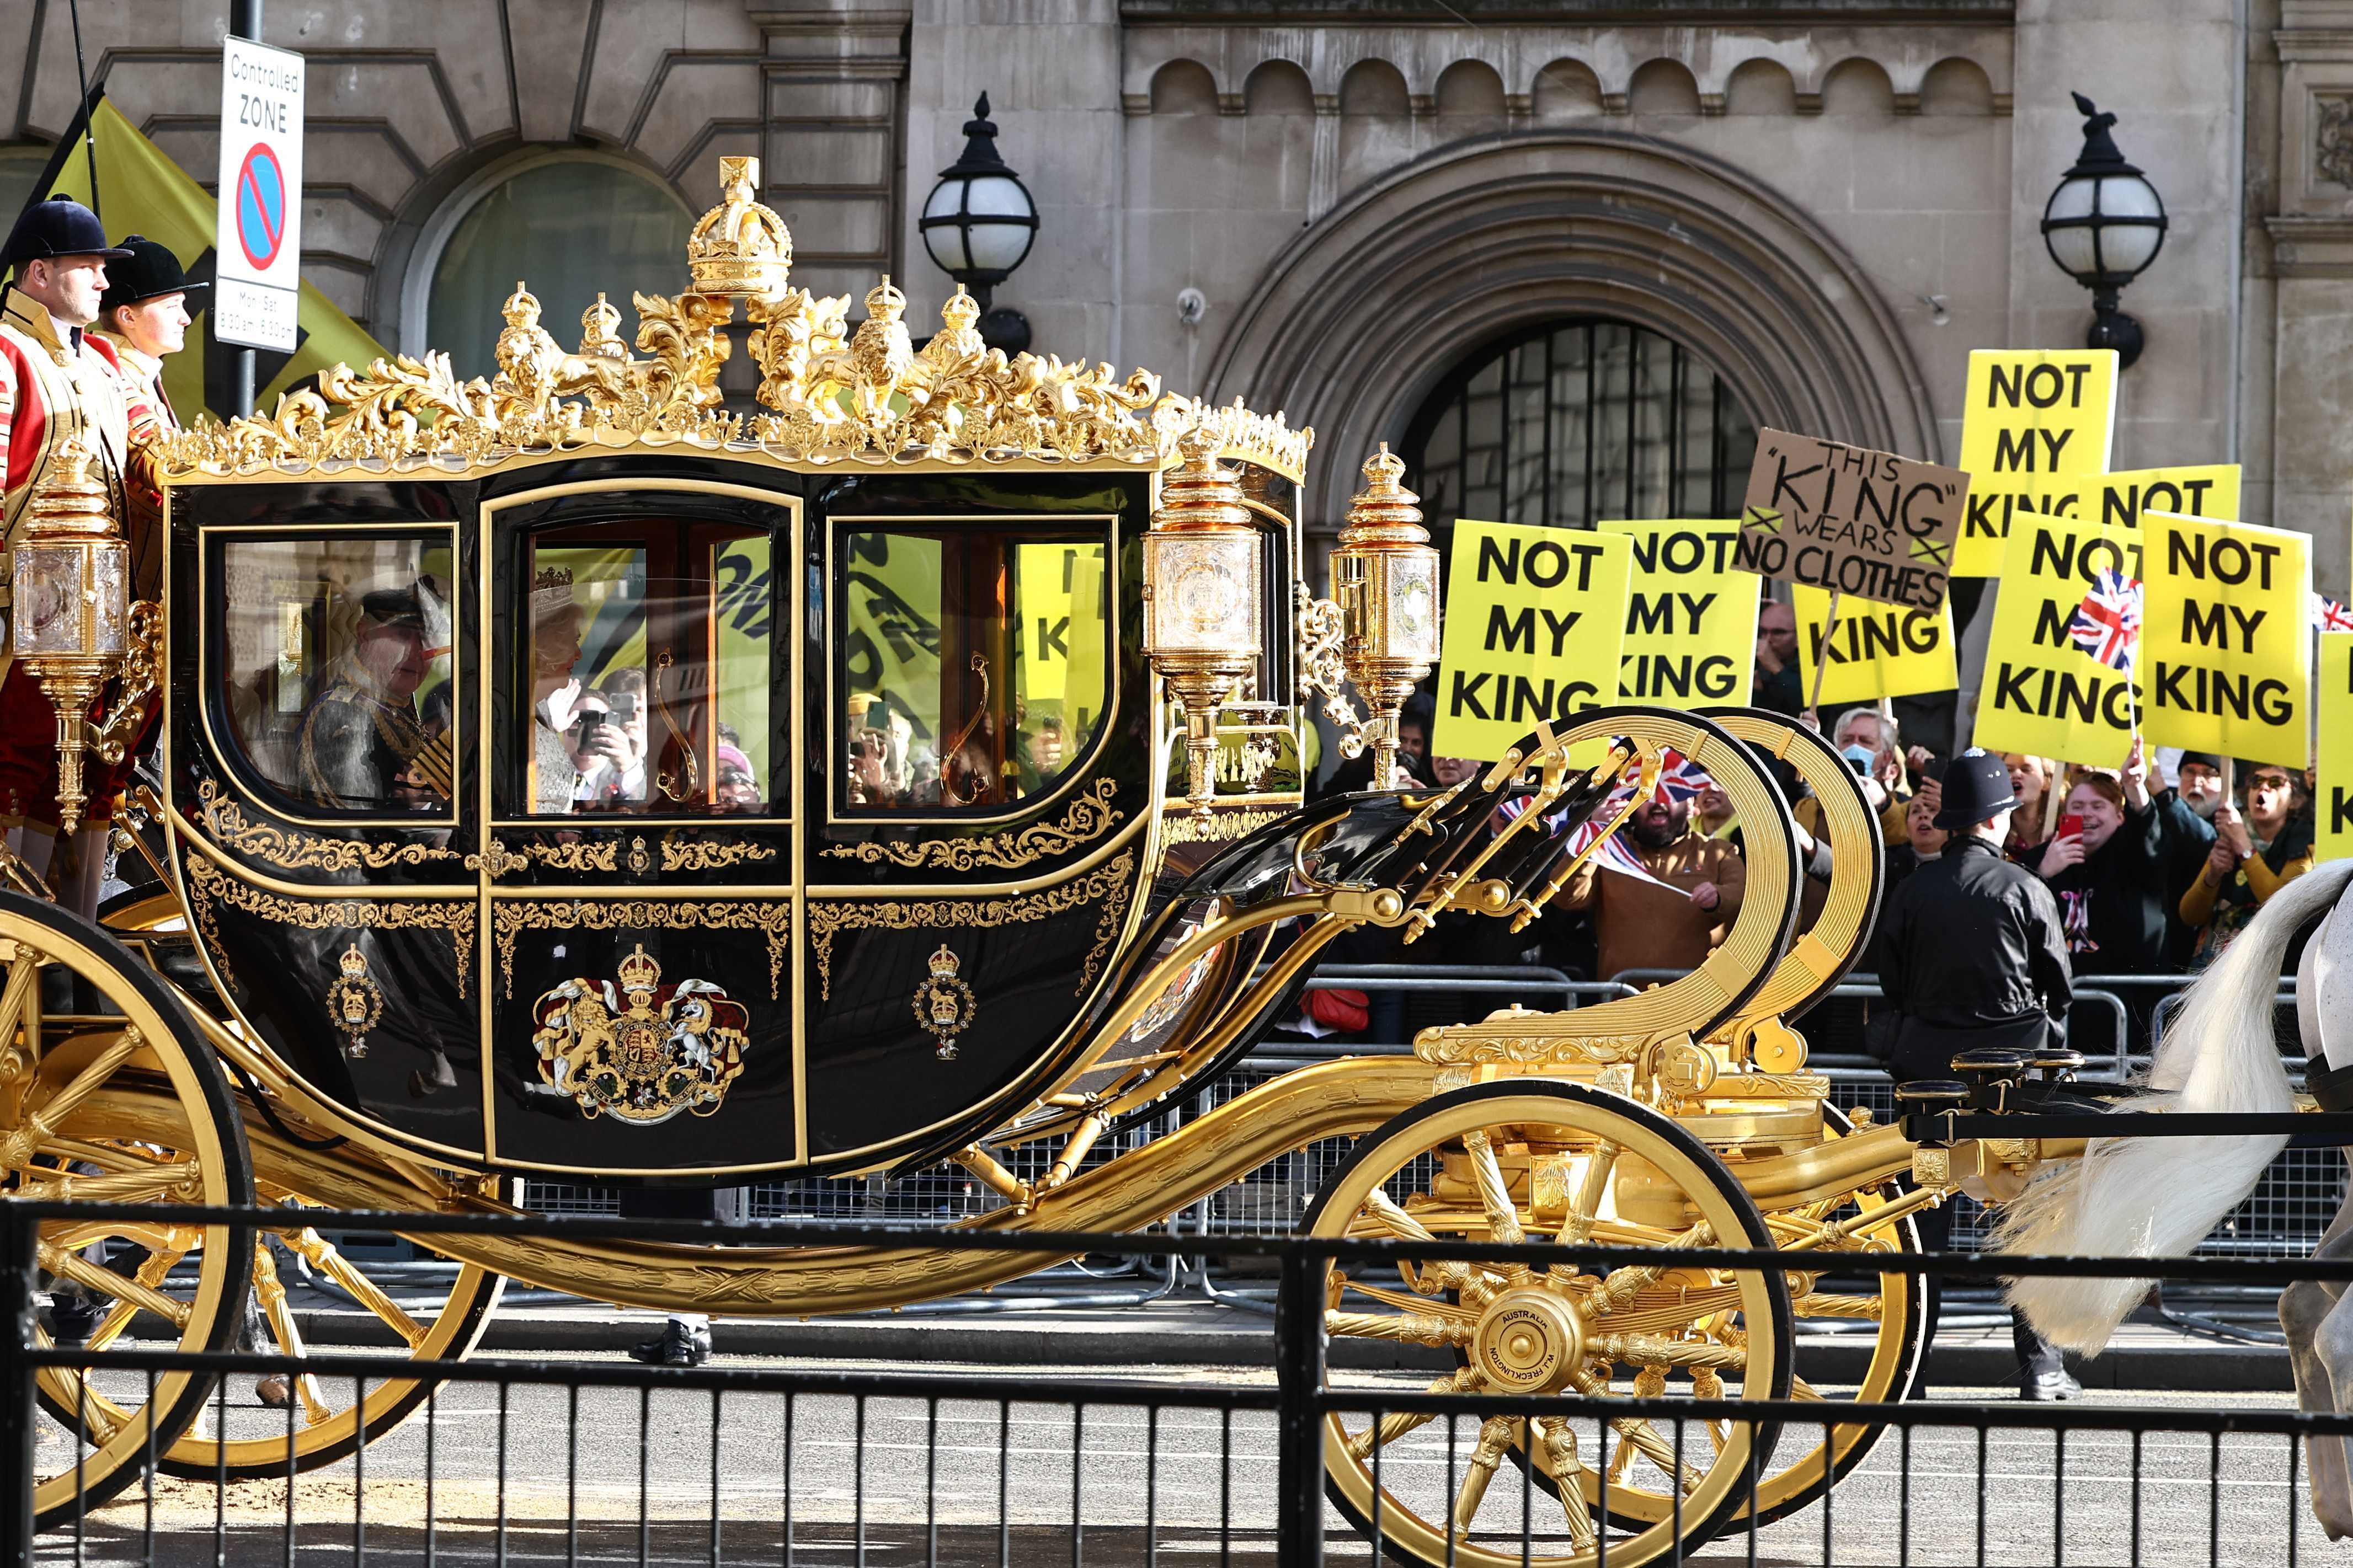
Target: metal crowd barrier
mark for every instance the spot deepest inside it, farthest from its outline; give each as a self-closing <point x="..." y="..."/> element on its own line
<point x="518" y="1458"/>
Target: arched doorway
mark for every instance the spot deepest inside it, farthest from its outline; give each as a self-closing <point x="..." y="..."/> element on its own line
<point x="1577" y="419"/>
<point x="1353" y="327"/>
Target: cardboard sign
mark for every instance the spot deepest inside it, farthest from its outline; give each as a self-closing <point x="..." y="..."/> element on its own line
<point x="2031" y="421"/>
<point x="1875" y="650"/>
<point x="1691" y="618"/>
<point x="2332" y="807"/>
<point x="2204" y="489"/>
<point x="2044" y="694"/>
<point x="2227" y="643"/>
<point x="1536" y="619"/>
<point x="1866" y="524"/>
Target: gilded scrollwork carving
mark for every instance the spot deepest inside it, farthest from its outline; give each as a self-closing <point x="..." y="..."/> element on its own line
<point x="210" y="892"/>
<point x="1460" y="1046"/>
<point x="1090" y="817"/>
<point x="828" y="394"/>
<point x="1321" y="668"/>
<point x="1112" y="883"/>
<point x="284" y="848"/>
<point x="577" y="855"/>
<point x="511" y="919"/>
<point x="701" y="855"/>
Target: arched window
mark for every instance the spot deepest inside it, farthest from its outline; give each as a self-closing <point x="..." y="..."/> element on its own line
<point x="1578" y="420"/>
<point x="572" y="225"/>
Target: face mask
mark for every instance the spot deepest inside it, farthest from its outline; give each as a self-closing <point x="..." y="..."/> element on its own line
<point x="1861" y="757"/>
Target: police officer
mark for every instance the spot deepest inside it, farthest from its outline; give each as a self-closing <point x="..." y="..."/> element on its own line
<point x="58" y="379"/>
<point x="1972" y="955"/>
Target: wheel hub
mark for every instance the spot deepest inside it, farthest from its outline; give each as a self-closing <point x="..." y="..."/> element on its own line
<point x="1529" y="1341"/>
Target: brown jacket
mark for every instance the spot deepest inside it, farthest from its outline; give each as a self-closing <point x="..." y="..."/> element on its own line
<point x="1638" y="926"/>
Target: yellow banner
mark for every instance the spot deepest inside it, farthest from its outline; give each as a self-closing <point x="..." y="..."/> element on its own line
<point x="1875" y="650"/>
<point x="2332" y="807"/>
<point x="1691" y="617"/>
<point x="2044" y="694"/>
<point x="2031" y="420"/>
<point x="2227" y="649"/>
<point x="2117" y="499"/>
<point x="1535" y="621"/>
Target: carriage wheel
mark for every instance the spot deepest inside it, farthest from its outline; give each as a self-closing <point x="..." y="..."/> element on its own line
<point x="120" y="1104"/>
<point x="1464" y="1165"/>
<point x="327" y="1414"/>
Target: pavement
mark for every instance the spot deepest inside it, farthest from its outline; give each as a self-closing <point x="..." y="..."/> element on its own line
<point x="1184" y="1330"/>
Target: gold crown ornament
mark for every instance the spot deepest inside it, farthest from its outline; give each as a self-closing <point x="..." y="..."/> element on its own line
<point x="739" y="248"/>
<point x="639" y="972"/>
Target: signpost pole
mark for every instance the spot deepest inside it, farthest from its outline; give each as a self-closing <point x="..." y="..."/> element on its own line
<point x="244" y="22"/>
<point x="1822" y="657"/>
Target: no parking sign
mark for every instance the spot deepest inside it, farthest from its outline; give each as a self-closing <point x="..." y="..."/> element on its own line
<point x="258" y="249"/>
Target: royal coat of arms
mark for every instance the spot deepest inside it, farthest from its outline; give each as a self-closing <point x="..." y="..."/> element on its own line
<point x="642" y="1052"/>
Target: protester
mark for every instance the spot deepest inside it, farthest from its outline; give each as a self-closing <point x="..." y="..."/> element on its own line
<point x="1972" y="955"/>
<point x="2190" y="804"/>
<point x="1872" y="746"/>
<point x="2030" y="779"/>
<point x="1673" y="915"/>
<point x="1712" y="813"/>
<point x="2255" y="853"/>
<point x="1355" y="773"/>
<point x="2109" y="873"/>
<point x="1777" y="684"/>
<point x="2198" y="783"/>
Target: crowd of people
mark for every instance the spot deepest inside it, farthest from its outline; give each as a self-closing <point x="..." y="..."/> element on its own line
<point x="2153" y="867"/>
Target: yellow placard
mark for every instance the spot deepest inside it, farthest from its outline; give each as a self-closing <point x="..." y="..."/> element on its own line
<point x="1535" y="620"/>
<point x="2197" y="489"/>
<point x="2044" y="695"/>
<point x="1691" y="618"/>
<point x="2033" y="420"/>
<point x="2332" y="806"/>
<point x="1875" y="650"/>
<point x="2227" y="638"/>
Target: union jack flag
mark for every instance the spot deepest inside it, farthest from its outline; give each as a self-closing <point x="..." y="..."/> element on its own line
<point x="2106" y="625"/>
<point x="2329" y="615"/>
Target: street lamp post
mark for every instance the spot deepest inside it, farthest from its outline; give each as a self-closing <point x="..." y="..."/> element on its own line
<point x="2103" y="226"/>
<point x="978" y="225"/>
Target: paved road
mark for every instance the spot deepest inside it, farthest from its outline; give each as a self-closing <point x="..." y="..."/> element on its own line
<point x="990" y="1484"/>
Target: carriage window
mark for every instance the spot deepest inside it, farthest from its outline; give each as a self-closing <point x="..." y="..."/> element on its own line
<point x="650" y="670"/>
<point x="336" y="673"/>
<point x="972" y="663"/>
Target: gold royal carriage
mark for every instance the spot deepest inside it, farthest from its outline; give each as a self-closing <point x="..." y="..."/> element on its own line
<point x="561" y="777"/>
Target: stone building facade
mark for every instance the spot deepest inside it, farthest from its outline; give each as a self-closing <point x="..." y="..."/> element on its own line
<point x="1804" y="214"/>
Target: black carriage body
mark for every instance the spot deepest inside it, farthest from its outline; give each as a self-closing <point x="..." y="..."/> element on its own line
<point x="806" y="971"/>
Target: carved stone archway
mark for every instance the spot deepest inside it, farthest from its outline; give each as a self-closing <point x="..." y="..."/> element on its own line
<point x="1357" y="319"/>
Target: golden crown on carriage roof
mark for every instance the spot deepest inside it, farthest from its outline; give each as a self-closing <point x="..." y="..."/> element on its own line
<point x="826" y="396"/>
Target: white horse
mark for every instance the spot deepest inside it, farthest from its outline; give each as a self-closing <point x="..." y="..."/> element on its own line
<point x="2159" y="1197"/>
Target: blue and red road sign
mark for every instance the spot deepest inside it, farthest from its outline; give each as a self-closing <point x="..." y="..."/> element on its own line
<point x="260" y="206"/>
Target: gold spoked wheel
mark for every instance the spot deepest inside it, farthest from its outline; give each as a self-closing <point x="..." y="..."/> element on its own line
<point x="65" y="1078"/>
<point x="1551" y="1161"/>
<point x="327" y="1416"/>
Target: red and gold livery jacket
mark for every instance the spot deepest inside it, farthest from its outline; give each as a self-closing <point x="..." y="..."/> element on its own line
<point x="51" y="389"/>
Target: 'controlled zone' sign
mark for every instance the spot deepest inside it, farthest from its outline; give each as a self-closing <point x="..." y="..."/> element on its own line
<point x="258" y="248"/>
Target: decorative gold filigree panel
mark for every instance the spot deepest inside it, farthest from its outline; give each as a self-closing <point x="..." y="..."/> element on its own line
<point x="1223" y="827"/>
<point x="1090" y="817"/>
<point x="284" y="848"/>
<point x="1110" y="883"/>
<point x="210" y="892"/>
<point x="698" y="855"/>
<point x="509" y="919"/>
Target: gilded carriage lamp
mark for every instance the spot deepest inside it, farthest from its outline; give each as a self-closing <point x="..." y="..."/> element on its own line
<point x="1385" y="574"/>
<point x="1203" y="596"/>
<point x="70" y="627"/>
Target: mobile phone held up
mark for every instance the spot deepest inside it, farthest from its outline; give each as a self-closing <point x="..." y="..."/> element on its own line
<point x="2071" y="826"/>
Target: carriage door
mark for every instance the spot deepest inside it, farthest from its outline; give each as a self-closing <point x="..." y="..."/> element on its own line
<point x="638" y="865"/>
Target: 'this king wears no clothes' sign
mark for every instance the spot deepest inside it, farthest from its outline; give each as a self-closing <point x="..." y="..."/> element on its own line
<point x="1851" y="521"/>
<point x="258" y="244"/>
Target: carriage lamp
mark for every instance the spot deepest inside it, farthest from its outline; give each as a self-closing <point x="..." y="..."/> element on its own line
<point x="978" y="225"/>
<point x="1203" y="593"/>
<point x="71" y="598"/>
<point x="1385" y="575"/>
<point x="2103" y="226"/>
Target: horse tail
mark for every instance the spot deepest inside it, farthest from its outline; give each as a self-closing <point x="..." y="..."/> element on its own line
<point x="2159" y="1197"/>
